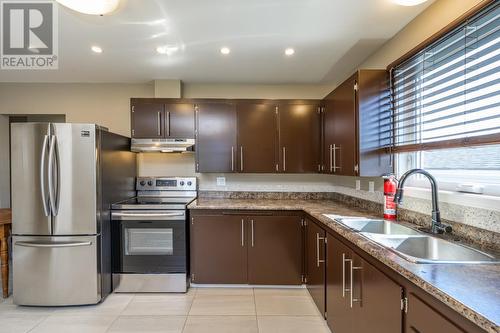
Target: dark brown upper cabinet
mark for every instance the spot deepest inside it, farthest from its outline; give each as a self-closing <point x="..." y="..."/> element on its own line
<point x="357" y="126"/>
<point x="299" y="138"/>
<point x="148" y="120"/>
<point x="179" y="121"/>
<point x="257" y="137"/>
<point x="216" y="133"/>
<point x="162" y="118"/>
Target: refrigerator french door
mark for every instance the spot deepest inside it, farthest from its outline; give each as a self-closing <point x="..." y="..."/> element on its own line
<point x="56" y="213"/>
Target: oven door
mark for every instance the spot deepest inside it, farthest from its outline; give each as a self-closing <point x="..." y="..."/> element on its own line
<point x="150" y="241"/>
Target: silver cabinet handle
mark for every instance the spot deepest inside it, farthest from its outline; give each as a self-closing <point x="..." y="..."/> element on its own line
<point x="53" y="183"/>
<point x="241" y="158"/>
<point x="43" y="176"/>
<point x="284" y="158"/>
<point x="168" y="123"/>
<point x="344" y="260"/>
<point x="318" y="238"/>
<point x="242" y="232"/>
<point x="331" y="158"/>
<point x="53" y="245"/>
<point x="334" y="148"/>
<point x="252" y="233"/>
<point x="351" y="291"/>
<point x="232" y="158"/>
<point x="159" y="123"/>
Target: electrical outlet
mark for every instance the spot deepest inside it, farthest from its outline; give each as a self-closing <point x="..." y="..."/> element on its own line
<point x="221" y="181"/>
<point x="358" y="184"/>
<point x="371" y="187"/>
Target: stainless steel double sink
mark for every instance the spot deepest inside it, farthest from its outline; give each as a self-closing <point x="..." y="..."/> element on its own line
<point x="411" y="244"/>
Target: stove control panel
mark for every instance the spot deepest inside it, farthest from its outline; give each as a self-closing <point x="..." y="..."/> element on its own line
<point x="166" y="184"/>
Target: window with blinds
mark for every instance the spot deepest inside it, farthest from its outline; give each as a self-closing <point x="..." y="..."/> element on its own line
<point x="448" y="94"/>
<point x="446" y="107"/>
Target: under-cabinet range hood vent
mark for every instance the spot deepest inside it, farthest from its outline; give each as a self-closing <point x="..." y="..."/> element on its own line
<point x="162" y="145"/>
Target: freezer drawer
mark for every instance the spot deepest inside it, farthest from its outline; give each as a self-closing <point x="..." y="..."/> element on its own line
<point x="56" y="271"/>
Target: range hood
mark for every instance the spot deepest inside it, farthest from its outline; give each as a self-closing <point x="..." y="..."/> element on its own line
<point x="161" y="145"/>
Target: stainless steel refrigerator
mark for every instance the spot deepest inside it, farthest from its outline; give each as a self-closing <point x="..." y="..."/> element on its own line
<point x="64" y="179"/>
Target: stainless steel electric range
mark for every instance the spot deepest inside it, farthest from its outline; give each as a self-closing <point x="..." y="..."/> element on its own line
<point x="149" y="236"/>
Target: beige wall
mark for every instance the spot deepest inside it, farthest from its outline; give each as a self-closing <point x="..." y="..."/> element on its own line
<point x="105" y="104"/>
<point x="284" y="91"/>
<point x="431" y="20"/>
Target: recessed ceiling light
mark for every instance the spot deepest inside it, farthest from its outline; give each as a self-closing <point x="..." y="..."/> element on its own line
<point x="289" y="51"/>
<point x="96" y="49"/>
<point x="225" y="50"/>
<point x="167" y="49"/>
<point x="91" y="7"/>
<point x="408" y="2"/>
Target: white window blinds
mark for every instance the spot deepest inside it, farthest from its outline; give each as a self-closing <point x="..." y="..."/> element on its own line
<point x="448" y="94"/>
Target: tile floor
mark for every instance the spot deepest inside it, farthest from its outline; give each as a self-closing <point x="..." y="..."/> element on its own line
<point x="207" y="310"/>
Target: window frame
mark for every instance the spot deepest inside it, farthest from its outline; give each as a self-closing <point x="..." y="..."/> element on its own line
<point x="416" y="148"/>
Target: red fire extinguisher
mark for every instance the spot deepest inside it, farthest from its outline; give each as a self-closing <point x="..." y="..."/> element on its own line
<point x="390" y="185"/>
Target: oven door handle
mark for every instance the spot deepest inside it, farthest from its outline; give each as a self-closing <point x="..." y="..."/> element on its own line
<point x="145" y="216"/>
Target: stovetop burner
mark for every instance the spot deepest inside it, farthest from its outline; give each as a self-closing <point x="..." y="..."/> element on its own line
<point x="154" y="193"/>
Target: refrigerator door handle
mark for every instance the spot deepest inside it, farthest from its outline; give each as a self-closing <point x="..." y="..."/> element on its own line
<point x="53" y="183"/>
<point x="52" y="245"/>
<point x="43" y="176"/>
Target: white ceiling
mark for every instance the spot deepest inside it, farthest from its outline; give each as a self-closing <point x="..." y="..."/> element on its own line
<point x="326" y="35"/>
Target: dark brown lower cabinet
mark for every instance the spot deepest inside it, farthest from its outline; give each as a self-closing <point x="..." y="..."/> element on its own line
<point x="315" y="263"/>
<point x="237" y="249"/>
<point x="274" y="251"/>
<point x="360" y="298"/>
<point x="340" y="317"/>
<point x="422" y="318"/>
<point x="218" y="249"/>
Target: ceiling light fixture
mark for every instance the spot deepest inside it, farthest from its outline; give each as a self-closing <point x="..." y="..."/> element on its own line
<point x="96" y="49"/>
<point x="289" y="51"/>
<point x="408" y="2"/>
<point x="225" y="50"/>
<point x="167" y="49"/>
<point x="91" y="7"/>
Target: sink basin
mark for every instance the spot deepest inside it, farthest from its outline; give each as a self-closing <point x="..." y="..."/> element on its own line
<point x="412" y="244"/>
<point x="375" y="226"/>
<point x="427" y="249"/>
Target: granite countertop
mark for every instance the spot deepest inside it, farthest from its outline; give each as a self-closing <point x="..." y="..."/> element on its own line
<point x="449" y="283"/>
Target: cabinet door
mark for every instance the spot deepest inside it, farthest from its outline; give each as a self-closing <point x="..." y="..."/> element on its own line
<point x="375" y="122"/>
<point x="179" y="121"/>
<point x="376" y="304"/>
<point x="218" y="249"/>
<point x="216" y="137"/>
<point x="329" y="165"/>
<point x="257" y="137"/>
<point x="344" y="127"/>
<point x="148" y="121"/>
<point x="421" y="318"/>
<point x="299" y="138"/>
<point x="315" y="264"/>
<point x="274" y="251"/>
<point x="340" y="315"/>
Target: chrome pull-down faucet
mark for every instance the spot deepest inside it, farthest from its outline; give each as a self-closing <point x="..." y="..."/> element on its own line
<point x="436" y="227"/>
